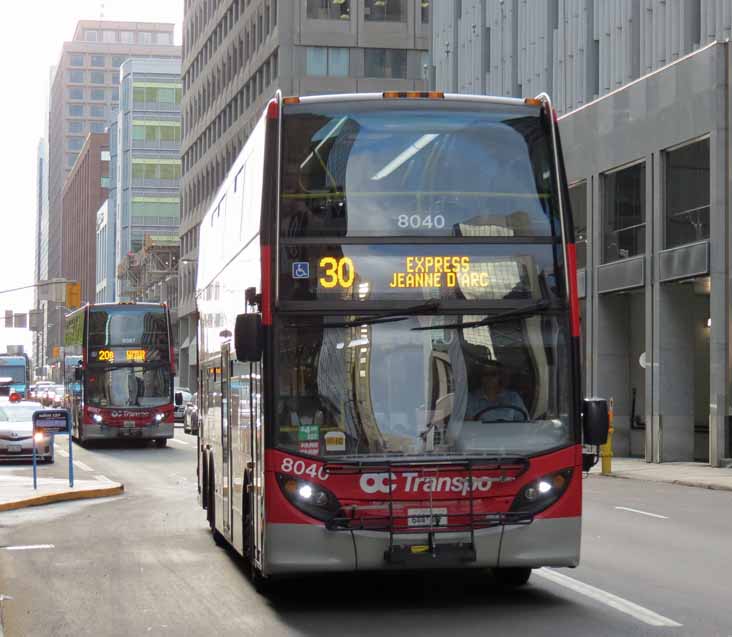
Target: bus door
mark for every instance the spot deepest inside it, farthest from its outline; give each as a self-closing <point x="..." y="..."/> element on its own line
<point x="257" y="451"/>
<point x="227" y="483"/>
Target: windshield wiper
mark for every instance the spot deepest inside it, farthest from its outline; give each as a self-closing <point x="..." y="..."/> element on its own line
<point x="527" y="310"/>
<point x="429" y="307"/>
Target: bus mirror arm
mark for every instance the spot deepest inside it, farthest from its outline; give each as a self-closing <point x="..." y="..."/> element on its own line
<point x="248" y="338"/>
<point x="77" y="374"/>
<point x="595" y="421"/>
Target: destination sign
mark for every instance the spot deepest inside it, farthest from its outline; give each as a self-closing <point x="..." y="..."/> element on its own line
<point x="119" y="355"/>
<point x="363" y="272"/>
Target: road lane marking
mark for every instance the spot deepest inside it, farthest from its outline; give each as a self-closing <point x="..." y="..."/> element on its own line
<point x="102" y="478"/>
<point x="652" y="515"/>
<point x="62" y="453"/>
<point x="640" y="613"/>
<point x="28" y="547"/>
<point x="84" y="467"/>
<point x="180" y="442"/>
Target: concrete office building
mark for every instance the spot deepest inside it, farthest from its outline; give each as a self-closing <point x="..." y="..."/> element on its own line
<point x="40" y="266"/>
<point x="147" y="197"/>
<point x="85" y="95"/>
<point x="105" y="265"/>
<point x="84" y="193"/>
<point x="237" y="53"/>
<point x="644" y="89"/>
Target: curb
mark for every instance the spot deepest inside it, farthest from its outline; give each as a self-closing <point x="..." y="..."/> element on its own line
<point x="682" y="482"/>
<point x="62" y="496"/>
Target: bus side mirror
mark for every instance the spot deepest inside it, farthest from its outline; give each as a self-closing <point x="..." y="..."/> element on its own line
<point x="178" y="399"/>
<point x="248" y="338"/>
<point x="595" y="421"/>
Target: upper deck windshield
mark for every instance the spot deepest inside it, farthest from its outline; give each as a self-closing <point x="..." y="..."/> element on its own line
<point x="128" y="326"/>
<point x="385" y="389"/>
<point x="408" y="168"/>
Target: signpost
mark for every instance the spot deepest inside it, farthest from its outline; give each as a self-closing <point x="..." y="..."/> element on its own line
<point x="52" y="421"/>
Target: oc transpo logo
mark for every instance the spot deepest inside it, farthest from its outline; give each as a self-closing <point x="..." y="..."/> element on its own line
<point x="413" y="482"/>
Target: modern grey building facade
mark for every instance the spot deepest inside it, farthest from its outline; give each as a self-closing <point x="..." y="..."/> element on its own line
<point x="105" y="252"/>
<point x="147" y="193"/>
<point x="40" y="270"/>
<point x="644" y="89"/>
<point x="238" y="53"/>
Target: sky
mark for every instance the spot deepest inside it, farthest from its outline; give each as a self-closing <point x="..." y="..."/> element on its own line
<point x="31" y="36"/>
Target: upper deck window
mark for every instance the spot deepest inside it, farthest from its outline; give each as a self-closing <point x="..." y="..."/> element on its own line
<point x="416" y="169"/>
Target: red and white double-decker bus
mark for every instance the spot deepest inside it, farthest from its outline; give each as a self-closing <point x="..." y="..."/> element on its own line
<point x="388" y="341"/>
<point x="119" y="371"/>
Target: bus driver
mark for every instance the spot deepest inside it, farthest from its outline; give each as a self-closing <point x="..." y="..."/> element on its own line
<point x="491" y="400"/>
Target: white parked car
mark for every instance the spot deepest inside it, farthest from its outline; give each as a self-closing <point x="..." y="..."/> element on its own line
<point x="16" y="433"/>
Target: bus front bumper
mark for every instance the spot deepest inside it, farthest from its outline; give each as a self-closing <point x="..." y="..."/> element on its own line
<point x="301" y="548"/>
<point x="147" y="432"/>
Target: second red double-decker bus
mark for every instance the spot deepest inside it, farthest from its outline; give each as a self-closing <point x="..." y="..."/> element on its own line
<point x="388" y="340"/>
<point x="121" y="385"/>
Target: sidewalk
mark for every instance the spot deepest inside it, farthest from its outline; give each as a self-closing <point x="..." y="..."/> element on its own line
<point x="692" y="474"/>
<point x="16" y="492"/>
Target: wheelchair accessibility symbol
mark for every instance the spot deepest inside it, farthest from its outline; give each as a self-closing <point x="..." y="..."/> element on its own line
<point x="301" y="270"/>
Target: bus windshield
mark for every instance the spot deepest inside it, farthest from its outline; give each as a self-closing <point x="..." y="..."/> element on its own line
<point x="408" y="168"/>
<point x="128" y="326"/>
<point x="15" y="372"/>
<point x="411" y="387"/>
<point x="128" y="386"/>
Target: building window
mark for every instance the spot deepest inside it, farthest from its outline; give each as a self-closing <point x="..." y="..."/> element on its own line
<point x="115" y="94"/>
<point x="90" y="35"/>
<point x="578" y="203"/>
<point x="322" y="60"/>
<point x="97" y="77"/>
<point x="76" y="59"/>
<point x="97" y="60"/>
<point x="117" y="60"/>
<point x="687" y="194"/>
<point x="75" y="143"/>
<point x="387" y="63"/>
<point x="76" y="93"/>
<point x="109" y="36"/>
<point x="76" y="76"/>
<point x="127" y="36"/>
<point x="328" y="10"/>
<point x="76" y="110"/>
<point x="98" y="127"/>
<point x="71" y="159"/>
<point x="95" y="109"/>
<point x="385" y="10"/>
<point x="165" y="38"/>
<point x="76" y="126"/>
<point x="146" y="37"/>
<point x="97" y="94"/>
<point x="624" y="213"/>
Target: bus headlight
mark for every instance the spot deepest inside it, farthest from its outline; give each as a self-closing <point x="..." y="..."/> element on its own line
<point x="543" y="492"/>
<point x="310" y="498"/>
<point x="159" y="417"/>
<point x="97" y="419"/>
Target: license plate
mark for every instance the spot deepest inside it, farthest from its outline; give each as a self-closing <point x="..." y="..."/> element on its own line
<point x="427" y="517"/>
<point x="15" y="448"/>
<point x="129" y="423"/>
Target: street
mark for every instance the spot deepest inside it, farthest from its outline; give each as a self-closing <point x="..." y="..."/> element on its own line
<point x="145" y="564"/>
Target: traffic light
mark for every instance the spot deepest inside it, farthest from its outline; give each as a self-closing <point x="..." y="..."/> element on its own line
<point x="73" y="295"/>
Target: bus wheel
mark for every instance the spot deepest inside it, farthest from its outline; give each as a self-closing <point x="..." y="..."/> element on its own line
<point x="217" y="537"/>
<point x="204" y="481"/>
<point x="511" y="577"/>
<point x="161" y="442"/>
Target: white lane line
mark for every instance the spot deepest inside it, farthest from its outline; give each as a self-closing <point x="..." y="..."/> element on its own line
<point x="62" y="453"/>
<point x="102" y="478"/>
<point x="652" y="515"/>
<point x="84" y="467"/>
<point x="180" y="442"/>
<point x="28" y="547"/>
<point x="618" y="603"/>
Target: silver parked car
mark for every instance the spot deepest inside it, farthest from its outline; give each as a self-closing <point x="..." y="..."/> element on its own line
<point x="16" y="433"/>
<point x="190" y="418"/>
<point x="185" y="398"/>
